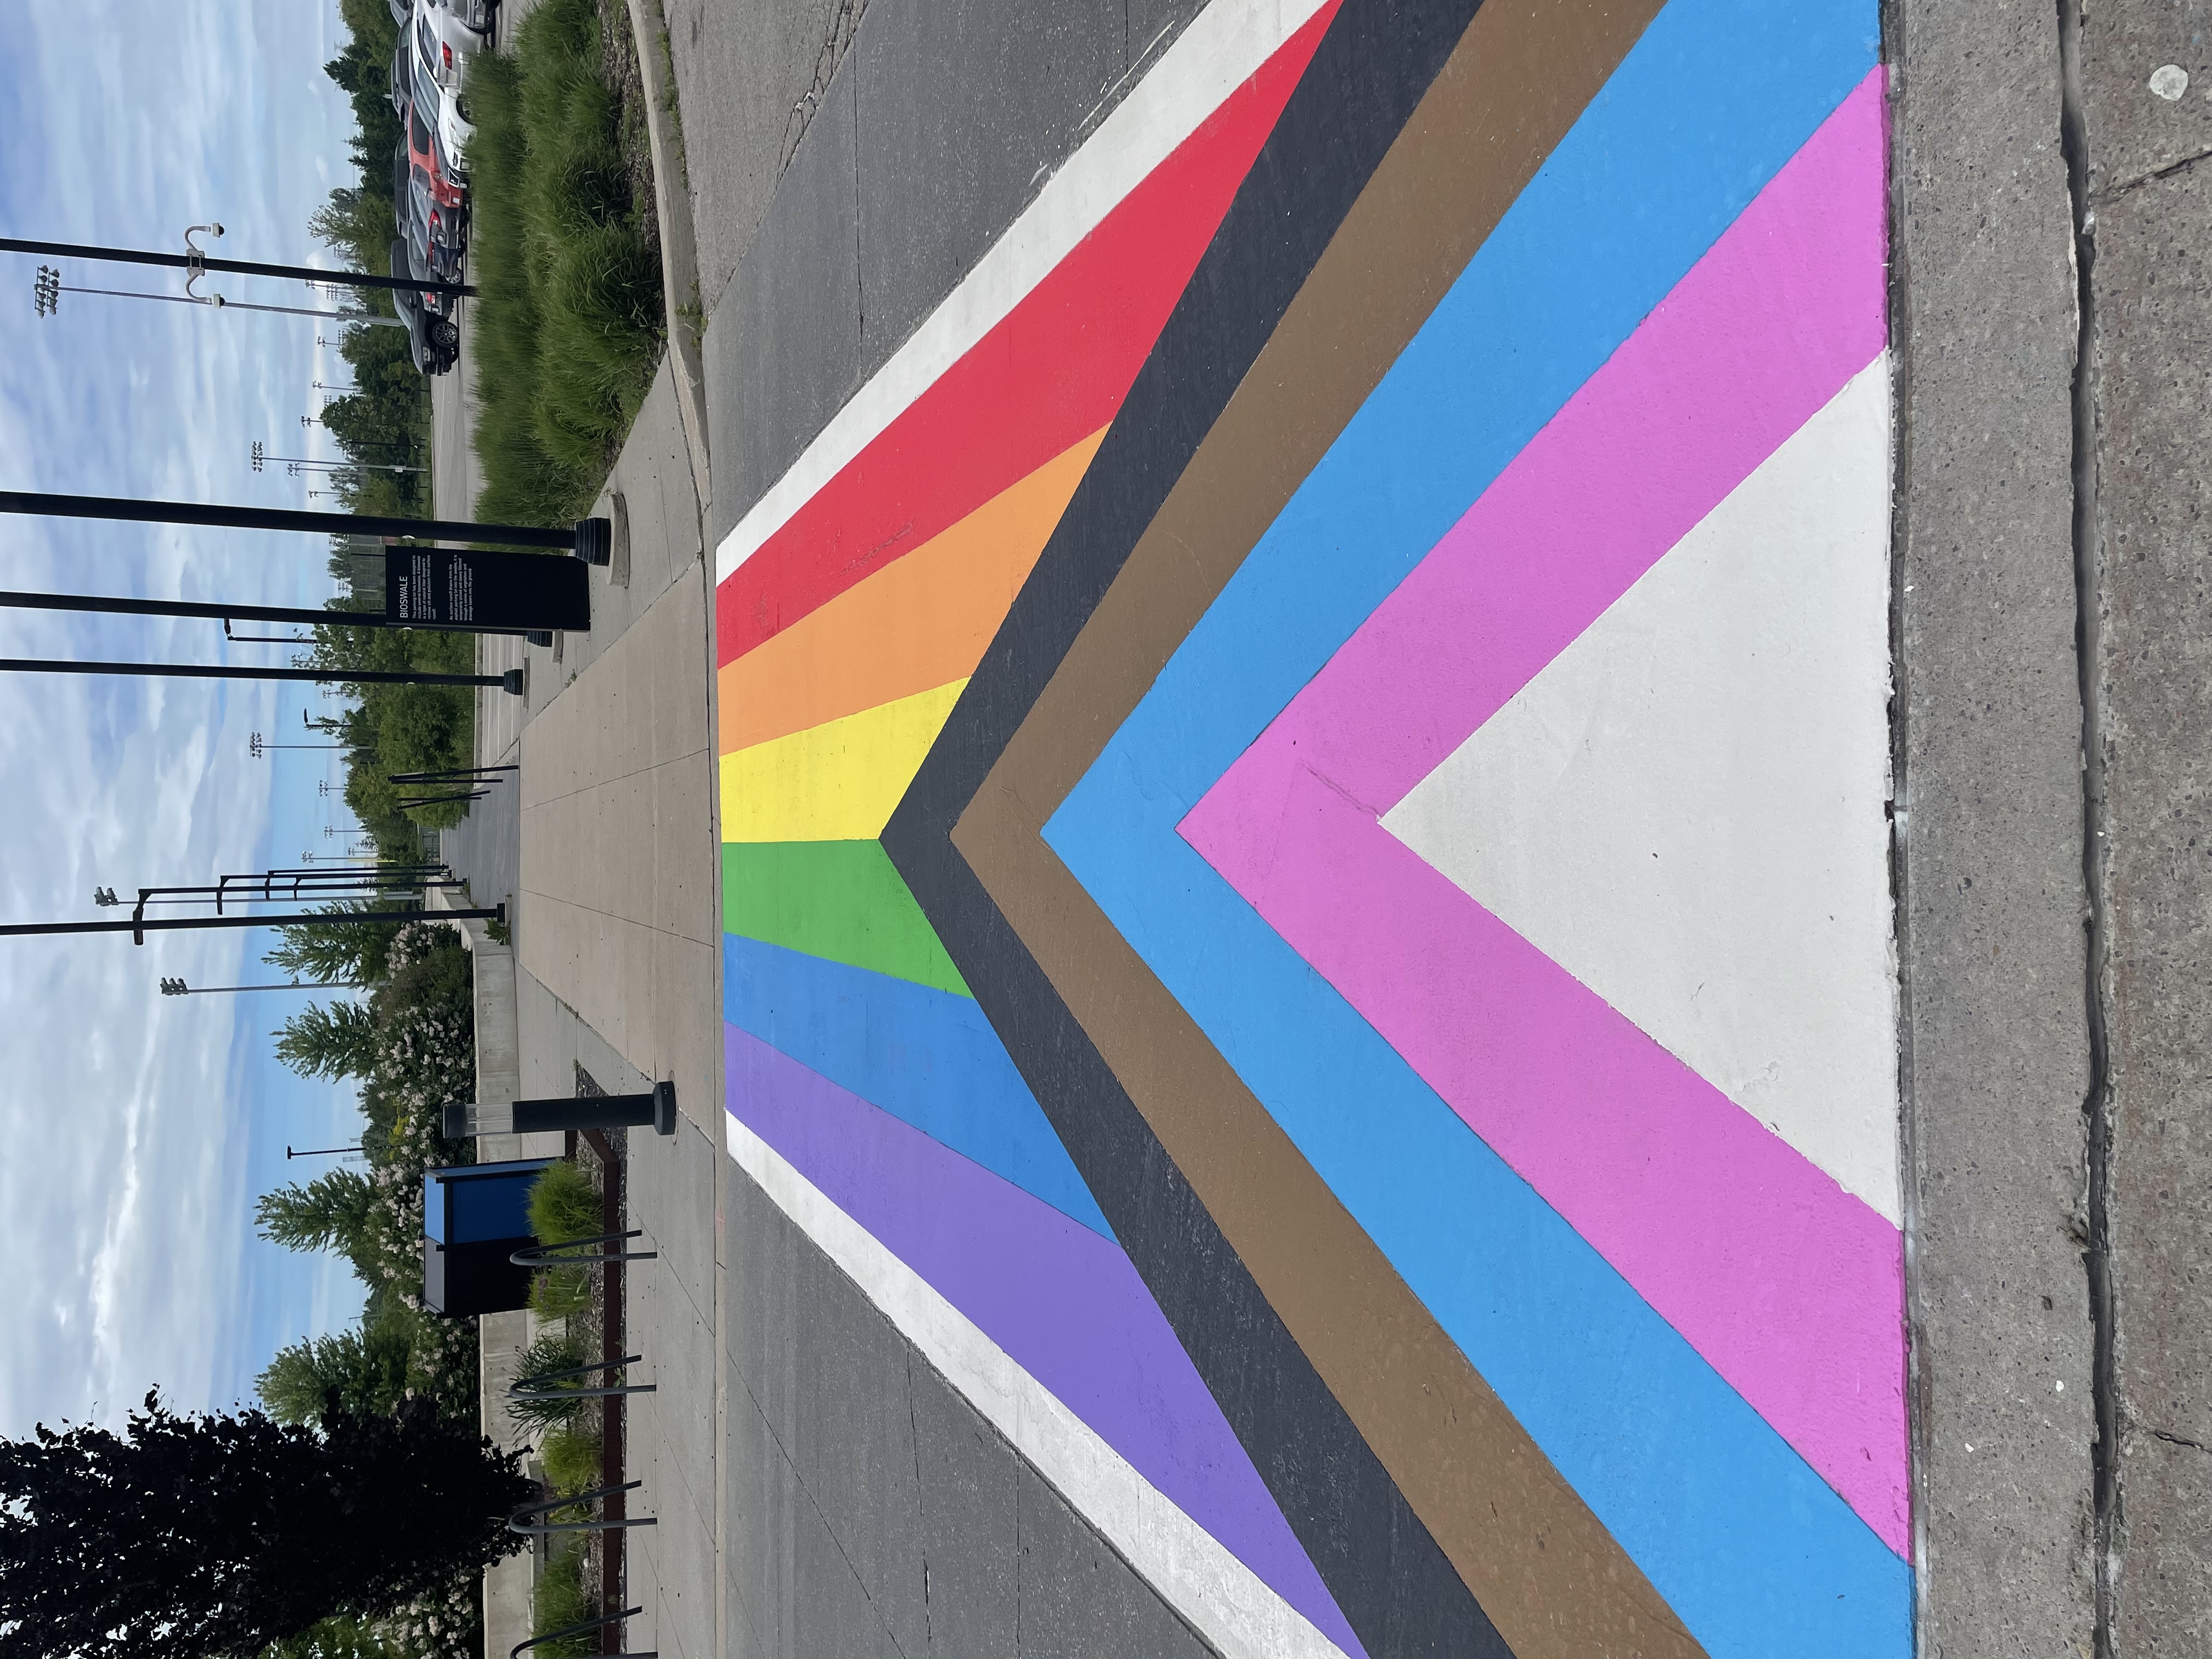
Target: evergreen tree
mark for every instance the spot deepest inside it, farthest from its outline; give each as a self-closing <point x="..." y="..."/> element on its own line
<point x="330" y="1212"/>
<point x="363" y="1370"/>
<point x="332" y="1040"/>
<point x="330" y="953"/>
<point x="211" y="1537"/>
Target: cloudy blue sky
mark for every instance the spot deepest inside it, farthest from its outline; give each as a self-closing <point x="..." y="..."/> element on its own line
<point x="138" y="1129"/>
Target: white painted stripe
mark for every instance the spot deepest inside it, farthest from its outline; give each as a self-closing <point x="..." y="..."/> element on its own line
<point x="1229" y="1604"/>
<point x="1224" y="47"/>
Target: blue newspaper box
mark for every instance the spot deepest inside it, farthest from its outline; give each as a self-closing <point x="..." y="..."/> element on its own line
<point x="475" y="1217"/>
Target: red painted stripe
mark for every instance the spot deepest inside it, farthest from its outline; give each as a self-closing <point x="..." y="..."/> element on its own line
<point x="1054" y="369"/>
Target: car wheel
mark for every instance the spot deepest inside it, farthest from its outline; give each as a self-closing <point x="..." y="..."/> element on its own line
<point x="447" y="334"/>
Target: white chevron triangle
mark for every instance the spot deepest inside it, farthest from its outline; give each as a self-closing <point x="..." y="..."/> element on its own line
<point x="1685" y="808"/>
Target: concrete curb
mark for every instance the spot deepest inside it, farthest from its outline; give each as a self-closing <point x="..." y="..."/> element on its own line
<point x="498" y="1044"/>
<point x="679" y="240"/>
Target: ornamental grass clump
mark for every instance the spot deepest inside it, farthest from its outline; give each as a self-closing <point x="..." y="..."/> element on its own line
<point x="552" y="1352"/>
<point x="571" y="1455"/>
<point x="564" y="1204"/>
<point x="559" y="1292"/>
<point x="559" y="1601"/>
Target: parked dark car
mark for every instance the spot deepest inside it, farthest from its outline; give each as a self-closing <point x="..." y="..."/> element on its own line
<point x="433" y="341"/>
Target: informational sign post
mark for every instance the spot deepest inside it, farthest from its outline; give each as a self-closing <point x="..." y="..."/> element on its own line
<point x="465" y="587"/>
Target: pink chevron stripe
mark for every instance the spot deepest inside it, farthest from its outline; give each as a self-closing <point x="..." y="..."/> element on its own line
<point x="1790" y="1287"/>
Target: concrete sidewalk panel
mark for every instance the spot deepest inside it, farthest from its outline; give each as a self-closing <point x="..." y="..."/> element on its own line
<point x="617" y="853"/>
<point x="2137" y="129"/>
<point x="2153" y="334"/>
<point x="1996" y="1057"/>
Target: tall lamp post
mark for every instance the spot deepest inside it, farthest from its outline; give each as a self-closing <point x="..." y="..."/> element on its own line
<point x="589" y="539"/>
<point x="196" y="263"/>
<point x="379" y="882"/>
<point x="49" y="289"/>
<point x="176" y="988"/>
<point x="260" y="458"/>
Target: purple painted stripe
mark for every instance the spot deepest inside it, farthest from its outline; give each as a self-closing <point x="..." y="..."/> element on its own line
<point x="1065" y="1303"/>
<point x="1790" y="1286"/>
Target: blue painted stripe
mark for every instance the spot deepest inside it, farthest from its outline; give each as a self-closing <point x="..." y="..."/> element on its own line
<point x="1757" y="1554"/>
<point x="927" y="1057"/>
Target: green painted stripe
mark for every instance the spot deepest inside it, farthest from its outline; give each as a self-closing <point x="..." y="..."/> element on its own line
<point x="841" y="900"/>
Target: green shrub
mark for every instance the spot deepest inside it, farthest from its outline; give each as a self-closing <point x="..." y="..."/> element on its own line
<point x="550" y="1353"/>
<point x="572" y="1459"/>
<point x="568" y="325"/>
<point x="557" y="1292"/>
<point x="558" y="1601"/>
<point x="564" y="1204"/>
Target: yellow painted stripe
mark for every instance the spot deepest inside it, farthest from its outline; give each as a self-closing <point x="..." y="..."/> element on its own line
<point x="836" y="782"/>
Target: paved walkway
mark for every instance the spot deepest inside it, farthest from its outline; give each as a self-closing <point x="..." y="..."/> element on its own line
<point x="820" y="1488"/>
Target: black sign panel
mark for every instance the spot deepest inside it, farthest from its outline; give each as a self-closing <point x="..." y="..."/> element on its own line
<point x="462" y="587"/>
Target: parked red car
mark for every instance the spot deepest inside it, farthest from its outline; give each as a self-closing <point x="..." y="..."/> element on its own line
<point x="423" y="156"/>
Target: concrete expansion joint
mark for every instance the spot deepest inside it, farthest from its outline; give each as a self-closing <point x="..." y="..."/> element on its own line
<point x="635" y="772"/>
<point x="2097" y="1101"/>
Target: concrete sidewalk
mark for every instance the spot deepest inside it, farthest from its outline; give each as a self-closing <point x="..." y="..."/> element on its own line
<point x="603" y="846"/>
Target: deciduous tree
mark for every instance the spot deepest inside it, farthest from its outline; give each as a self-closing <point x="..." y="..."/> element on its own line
<point x="200" y="1537"/>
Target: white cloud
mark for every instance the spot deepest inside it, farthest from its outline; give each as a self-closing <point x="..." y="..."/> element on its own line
<point x="139" y="1127"/>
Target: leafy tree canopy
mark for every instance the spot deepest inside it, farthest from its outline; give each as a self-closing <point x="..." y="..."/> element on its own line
<point x="201" y="1537"/>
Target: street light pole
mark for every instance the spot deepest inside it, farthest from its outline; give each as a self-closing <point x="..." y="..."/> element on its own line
<point x="49" y="297"/>
<point x="382" y="881"/>
<point x="511" y="682"/>
<point x="258" y="457"/>
<point x="590" y="539"/>
<point x="303" y="615"/>
<point x="176" y="988"/>
<point x="194" y="260"/>
<point x="318" y="1151"/>
<point x="302" y="883"/>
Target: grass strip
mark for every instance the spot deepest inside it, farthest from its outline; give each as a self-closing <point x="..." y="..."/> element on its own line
<point x="568" y="327"/>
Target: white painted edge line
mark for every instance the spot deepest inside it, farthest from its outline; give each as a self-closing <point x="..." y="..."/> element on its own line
<point x="1229" y="1604"/>
<point x="1224" y="46"/>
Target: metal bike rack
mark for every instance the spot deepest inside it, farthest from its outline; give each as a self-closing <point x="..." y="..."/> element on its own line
<point x="527" y="1388"/>
<point x="521" y="1648"/>
<point x="542" y="1255"/>
<point x="519" y="1521"/>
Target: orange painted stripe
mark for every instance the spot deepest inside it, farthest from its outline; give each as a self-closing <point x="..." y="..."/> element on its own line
<point x="921" y="622"/>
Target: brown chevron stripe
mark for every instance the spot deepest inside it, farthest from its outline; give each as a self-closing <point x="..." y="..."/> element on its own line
<point x="1551" y="1578"/>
